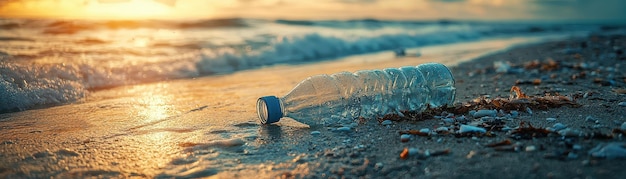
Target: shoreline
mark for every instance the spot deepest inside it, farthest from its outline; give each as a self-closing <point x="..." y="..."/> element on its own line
<point x="112" y="133"/>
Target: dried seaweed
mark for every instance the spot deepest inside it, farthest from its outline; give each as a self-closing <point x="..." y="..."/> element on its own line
<point x="414" y="132"/>
<point x="527" y="131"/>
<point x="518" y="100"/>
<point x="501" y="143"/>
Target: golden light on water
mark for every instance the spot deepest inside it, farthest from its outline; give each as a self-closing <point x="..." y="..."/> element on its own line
<point x="153" y="106"/>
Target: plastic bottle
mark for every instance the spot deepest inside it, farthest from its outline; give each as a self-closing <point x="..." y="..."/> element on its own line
<point x="325" y="99"/>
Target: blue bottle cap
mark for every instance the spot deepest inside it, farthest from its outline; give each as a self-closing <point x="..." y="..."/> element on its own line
<point x="269" y="110"/>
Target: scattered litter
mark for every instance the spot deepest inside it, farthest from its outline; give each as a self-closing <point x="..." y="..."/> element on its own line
<point x="422" y="154"/>
<point x="470" y="154"/>
<point x="471" y="129"/>
<point x="613" y="150"/>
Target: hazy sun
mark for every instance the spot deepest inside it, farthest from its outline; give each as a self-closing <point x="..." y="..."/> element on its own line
<point x="89" y="9"/>
<point x="133" y="9"/>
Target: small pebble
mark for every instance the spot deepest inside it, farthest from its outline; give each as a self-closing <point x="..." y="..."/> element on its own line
<point x="343" y="129"/>
<point x="577" y="147"/>
<point x="572" y="155"/>
<point x="485" y="112"/>
<point x="448" y="120"/>
<point x="405" y="137"/>
<point x="442" y="129"/>
<point x="386" y="122"/>
<point x="315" y="133"/>
<point x="558" y="126"/>
<point x="413" y="151"/>
<point x="590" y="119"/>
<point x="461" y="118"/>
<point x="530" y="148"/>
<point x="611" y="150"/>
<point x="622" y="104"/>
<point x="623" y="127"/>
<point x="468" y="128"/>
<point x="570" y="133"/>
<point x="514" y="114"/>
<point x="529" y="111"/>
<point x="378" y="165"/>
<point x="425" y="130"/>
<point x="550" y="119"/>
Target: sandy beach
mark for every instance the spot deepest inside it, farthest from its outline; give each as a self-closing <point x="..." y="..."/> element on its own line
<point x="186" y="128"/>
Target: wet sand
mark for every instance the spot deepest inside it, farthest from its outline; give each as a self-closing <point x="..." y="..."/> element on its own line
<point x="207" y="127"/>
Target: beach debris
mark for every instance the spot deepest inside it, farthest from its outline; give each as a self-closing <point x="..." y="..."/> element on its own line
<point x="400" y="52"/>
<point x="517" y="101"/>
<point x="378" y="165"/>
<point x="343" y="129"/>
<point x="613" y="150"/>
<point x="485" y="112"/>
<point x="315" y="132"/>
<point x="470" y="154"/>
<point x="558" y="126"/>
<point x="501" y="143"/>
<point x="442" y="130"/>
<point x="471" y="129"/>
<point x="570" y="133"/>
<point x="527" y="131"/>
<point x="414" y="132"/>
<point x="421" y="154"/>
<point x="536" y="81"/>
<point x="405" y="137"/>
<point x="530" y="148"/>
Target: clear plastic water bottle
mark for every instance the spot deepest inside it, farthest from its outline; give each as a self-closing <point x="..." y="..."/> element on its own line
<point x="325" y="99"/>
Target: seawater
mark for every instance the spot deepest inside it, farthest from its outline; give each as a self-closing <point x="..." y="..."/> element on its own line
<point x="51" y="62"/>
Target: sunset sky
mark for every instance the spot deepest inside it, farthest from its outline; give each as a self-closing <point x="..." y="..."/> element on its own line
<point x="606" y="10"/>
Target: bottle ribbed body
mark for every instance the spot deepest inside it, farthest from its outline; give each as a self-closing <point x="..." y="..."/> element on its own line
<point x="325" y="99"/>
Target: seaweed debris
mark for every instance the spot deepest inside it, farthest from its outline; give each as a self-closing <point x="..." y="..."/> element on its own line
<point x="517" y="100"/>
<point x="527" y="131"/>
